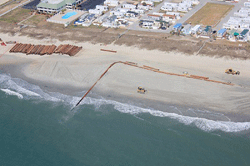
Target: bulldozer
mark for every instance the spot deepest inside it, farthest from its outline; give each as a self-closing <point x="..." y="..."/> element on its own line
<point x="231" y="71"/>
<point x="141" y="90"/>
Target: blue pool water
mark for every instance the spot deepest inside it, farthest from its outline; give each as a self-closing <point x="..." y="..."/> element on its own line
<point x="68" y="15"/>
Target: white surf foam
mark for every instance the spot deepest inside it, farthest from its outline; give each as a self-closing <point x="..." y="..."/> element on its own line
<point x="201" y="123"/>
<point x="9" y="92"/>
<point x="16" y="86"/>
<point x="24" y="88"/>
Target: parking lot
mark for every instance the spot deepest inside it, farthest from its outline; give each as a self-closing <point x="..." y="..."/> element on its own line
<point x="32" y="4"/>
<point x="90" y="4"/>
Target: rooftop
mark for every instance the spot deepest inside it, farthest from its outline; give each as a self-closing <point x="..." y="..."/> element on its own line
<point x="178" y="25"/>
<point x="244" y="32"/>
<point x="54" y="4"/>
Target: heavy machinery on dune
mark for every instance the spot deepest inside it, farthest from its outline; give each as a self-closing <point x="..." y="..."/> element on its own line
<point x="231" y="71"/>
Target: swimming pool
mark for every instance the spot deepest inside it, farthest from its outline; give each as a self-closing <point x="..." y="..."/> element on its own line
<point x="68" y="15"/>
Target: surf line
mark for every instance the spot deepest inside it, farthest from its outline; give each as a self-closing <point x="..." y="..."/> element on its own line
<point x="151" y="69"/>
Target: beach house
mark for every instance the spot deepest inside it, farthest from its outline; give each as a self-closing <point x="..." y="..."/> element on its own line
<point x="195" y="29"/>
<point x="148" y="24"/>
<point x="102" y="8"/>
<point x="233" y="35"/>
<point x="221" y="33"/>
<point x="131" y="14"/>
<point x="111" y="22"/>
<point x="177" y="27"/>
<point x="206" y="32"/>
<point x="244" y="35"/>
<point x="186" y="30"/>
<point x="150" y="4"/>
<point x="54" y="6"/>
<point x="111" y="2"/>
<point x="128" y="6"/>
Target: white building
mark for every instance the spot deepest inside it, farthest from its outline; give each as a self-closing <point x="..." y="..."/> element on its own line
<point x="111" y="2"/>
<point x="186" y="30"/>
<point x="195" y="2"/>
<point x="143" y="7"/>
<point x="176" y="14"/>
<point x="100" y="20"/>
<point x="129" y="6"/>
<point x="195" y="29"/>
<point x="140" y="11"/>
<point x="240" y="14"/>
<point x="174" y="5"/>
<point x="95" y="11"/>
<point x="117" y="13"/>
<point x="122" y="10"/>
<point x="148" y="24"/>
<point x="155" y="0"/>
<point x="167" y="8"/>
<point x="247" y="4"/>
<point x="131" y="14"/>
<point x="182" y="9"/>
<point x="102" y="8"/>
<point x="148" y="3"/>
<point x="111" y="22"/>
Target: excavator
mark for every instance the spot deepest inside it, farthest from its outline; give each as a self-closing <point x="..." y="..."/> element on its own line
<point x="231" y="71"/>
<point x="141" y="90"/>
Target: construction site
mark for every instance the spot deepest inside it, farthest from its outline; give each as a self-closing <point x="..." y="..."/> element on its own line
<point x="153" y="70"/>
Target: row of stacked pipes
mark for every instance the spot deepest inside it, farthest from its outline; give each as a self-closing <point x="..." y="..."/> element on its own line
<point x="45" y="49"/>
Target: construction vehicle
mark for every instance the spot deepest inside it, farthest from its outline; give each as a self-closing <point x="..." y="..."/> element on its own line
<point x="185" y="73"/>
<point x="141" y="90"/>
<point x="231" y="71"/>
<point x="3" y="44"/>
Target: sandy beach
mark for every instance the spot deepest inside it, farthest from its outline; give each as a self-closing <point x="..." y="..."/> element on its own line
<point x="75" y="74"/>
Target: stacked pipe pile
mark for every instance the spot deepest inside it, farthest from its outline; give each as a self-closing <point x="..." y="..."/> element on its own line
<point x="45" y="49"/>
<point x="33" y="49"/>
<point x="67" y="49"/>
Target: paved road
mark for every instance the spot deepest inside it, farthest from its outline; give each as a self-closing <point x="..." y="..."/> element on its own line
<point x="15" y="7"/>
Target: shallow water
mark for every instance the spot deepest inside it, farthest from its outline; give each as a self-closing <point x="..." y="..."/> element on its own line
<point x="39" y="129"/>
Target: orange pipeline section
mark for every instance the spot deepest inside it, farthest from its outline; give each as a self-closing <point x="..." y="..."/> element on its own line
<point x="154" y="70"/>
<point x="95" y="83"/>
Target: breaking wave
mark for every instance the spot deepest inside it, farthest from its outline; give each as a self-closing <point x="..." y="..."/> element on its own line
<point x="9" y="92"/>
<point x="24" y="90"/>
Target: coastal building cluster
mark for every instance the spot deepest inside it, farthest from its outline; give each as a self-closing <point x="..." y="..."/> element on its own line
<point x="208" y="32"/>
<point x="145" y="15"/>
<point x="121" y="14"/>
<point x="183" y="6"/>
<point x="238" y="25"/>
<point x="114" y="14"/>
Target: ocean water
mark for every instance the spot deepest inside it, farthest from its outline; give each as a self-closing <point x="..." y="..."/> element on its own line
<point x="38" y="128"/>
